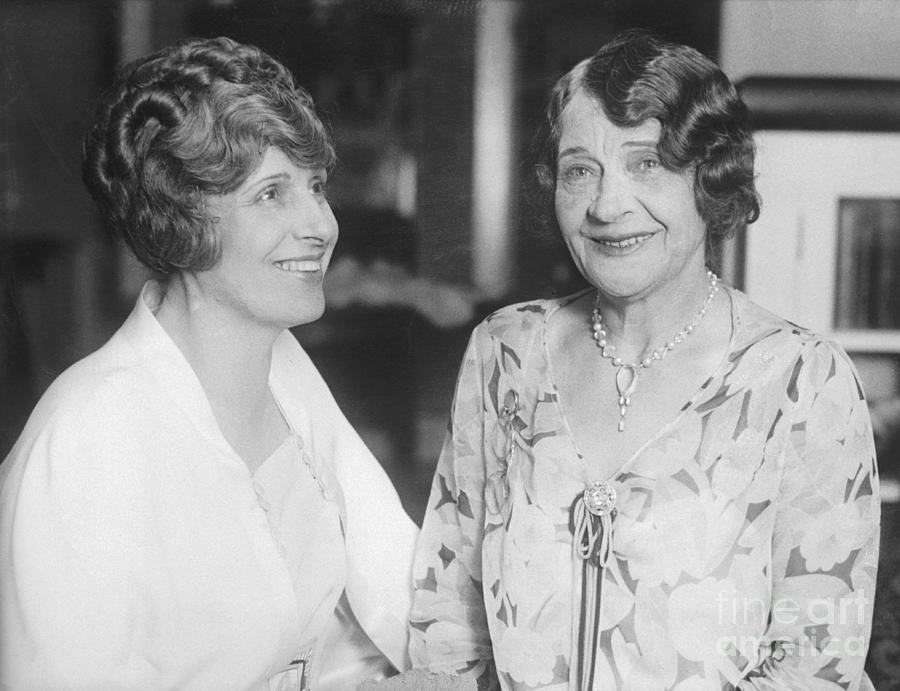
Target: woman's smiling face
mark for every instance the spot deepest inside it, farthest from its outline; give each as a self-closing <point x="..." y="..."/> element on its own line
<point x="631" y="224"/>
<point x="276" y="233"/>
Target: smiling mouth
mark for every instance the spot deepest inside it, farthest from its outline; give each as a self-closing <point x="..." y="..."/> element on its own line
<point x="299" y="265"/>
<point x="624" y="243"/>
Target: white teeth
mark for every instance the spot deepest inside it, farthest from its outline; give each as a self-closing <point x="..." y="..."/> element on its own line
<point x="627" y="242"/>
<point x="299" y="265"/>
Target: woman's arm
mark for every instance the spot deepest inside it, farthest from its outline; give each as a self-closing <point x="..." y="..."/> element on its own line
<point x="70" y="610"/>
<point x="825" y="545"/>
<point x="449" y="631"/>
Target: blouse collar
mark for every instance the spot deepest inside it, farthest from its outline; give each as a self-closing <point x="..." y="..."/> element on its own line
<point x="171" y="371"/>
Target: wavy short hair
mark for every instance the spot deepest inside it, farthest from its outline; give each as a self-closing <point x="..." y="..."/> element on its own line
<point x="705" y="127"/>
<point x="191" y="120"/>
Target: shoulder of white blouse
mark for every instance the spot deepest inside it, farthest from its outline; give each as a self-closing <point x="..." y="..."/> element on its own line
<point x="92" y="390"/>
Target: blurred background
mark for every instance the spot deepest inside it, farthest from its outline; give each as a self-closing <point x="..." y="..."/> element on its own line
<point x="434" y="105"/>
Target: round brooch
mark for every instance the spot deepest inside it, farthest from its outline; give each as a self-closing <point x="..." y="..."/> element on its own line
<point x="600" y="498"/>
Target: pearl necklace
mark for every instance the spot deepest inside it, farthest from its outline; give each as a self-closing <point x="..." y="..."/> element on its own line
<point x="627" y="372"/>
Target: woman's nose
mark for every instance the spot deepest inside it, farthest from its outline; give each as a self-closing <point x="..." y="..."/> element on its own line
<point x="314" y="219"/>
<point x="610" y="200"/>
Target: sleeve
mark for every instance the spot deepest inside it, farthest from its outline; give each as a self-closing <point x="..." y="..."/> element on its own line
<point x="379" y="535"/>
<point x="68" y="568"/>
<point x="449" y="630"/>
<point x="380" y="539"/>
<point x="825" y="542"/>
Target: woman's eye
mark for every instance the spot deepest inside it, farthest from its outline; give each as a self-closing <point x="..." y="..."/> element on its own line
<point x="648" y="164"/>
<point x="575" y="172"/>
<point x="577" y="176"/>
<point x="268" y="194"/>
<point x="319" y="188"/>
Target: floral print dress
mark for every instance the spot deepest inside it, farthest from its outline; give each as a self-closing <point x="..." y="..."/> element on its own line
<point x="743" y="542"/>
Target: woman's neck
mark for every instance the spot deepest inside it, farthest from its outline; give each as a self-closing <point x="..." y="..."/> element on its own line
<point x="635" y="327"/>
<point x="230" y="355"/>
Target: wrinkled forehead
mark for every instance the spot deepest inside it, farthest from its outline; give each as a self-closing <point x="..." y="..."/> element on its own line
<point x="583" y="125"/>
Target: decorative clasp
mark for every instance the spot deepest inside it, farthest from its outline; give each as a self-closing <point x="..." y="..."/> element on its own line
<point x="600" y="498"/>
<point x="593" y="514"/>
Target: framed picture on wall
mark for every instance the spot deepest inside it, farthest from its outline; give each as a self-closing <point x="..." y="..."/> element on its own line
<point x="825" y="251"/>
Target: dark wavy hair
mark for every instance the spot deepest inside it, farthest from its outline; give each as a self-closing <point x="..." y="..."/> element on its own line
<point x="191" y="120"/>
<point x="636" y="77"/>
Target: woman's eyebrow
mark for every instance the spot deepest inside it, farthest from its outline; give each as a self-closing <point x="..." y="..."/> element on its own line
<point x="269" y="178"/>
<point x="571" y="150"/>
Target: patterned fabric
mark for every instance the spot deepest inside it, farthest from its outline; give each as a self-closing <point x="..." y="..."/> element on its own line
<point x="744" y="542"/>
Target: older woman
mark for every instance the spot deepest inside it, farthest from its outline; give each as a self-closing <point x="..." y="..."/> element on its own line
<point x="653" y="483"/>
<point x="187" y="507"/>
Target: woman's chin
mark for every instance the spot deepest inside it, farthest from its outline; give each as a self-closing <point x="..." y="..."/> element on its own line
<point x="296" y="313"/>
<point x="308" y="315"/>
<point x="620" y="284"/>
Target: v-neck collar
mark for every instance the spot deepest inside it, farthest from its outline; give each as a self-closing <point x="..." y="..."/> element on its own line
<point x="153" y="346"/>
<point x="739" y="338"/>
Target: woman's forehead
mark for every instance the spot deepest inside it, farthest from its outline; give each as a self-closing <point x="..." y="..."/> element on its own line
<point x="584" y="124"/>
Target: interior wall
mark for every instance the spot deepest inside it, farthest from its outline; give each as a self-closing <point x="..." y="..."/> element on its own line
<point x="848" y="38"/>
<point x="54" y="56"/>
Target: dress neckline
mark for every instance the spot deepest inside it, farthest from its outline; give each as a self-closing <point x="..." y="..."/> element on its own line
<point x="292" y="437"/>
<point x="290" y="440"/>
<point x="691" y="402"/>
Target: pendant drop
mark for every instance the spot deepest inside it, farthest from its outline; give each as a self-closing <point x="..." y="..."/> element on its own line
<point x="626" y="383"/>
<point x="626" y="380"/>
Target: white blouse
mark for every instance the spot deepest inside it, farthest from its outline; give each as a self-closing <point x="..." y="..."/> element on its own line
<point x="138" y="552"/>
